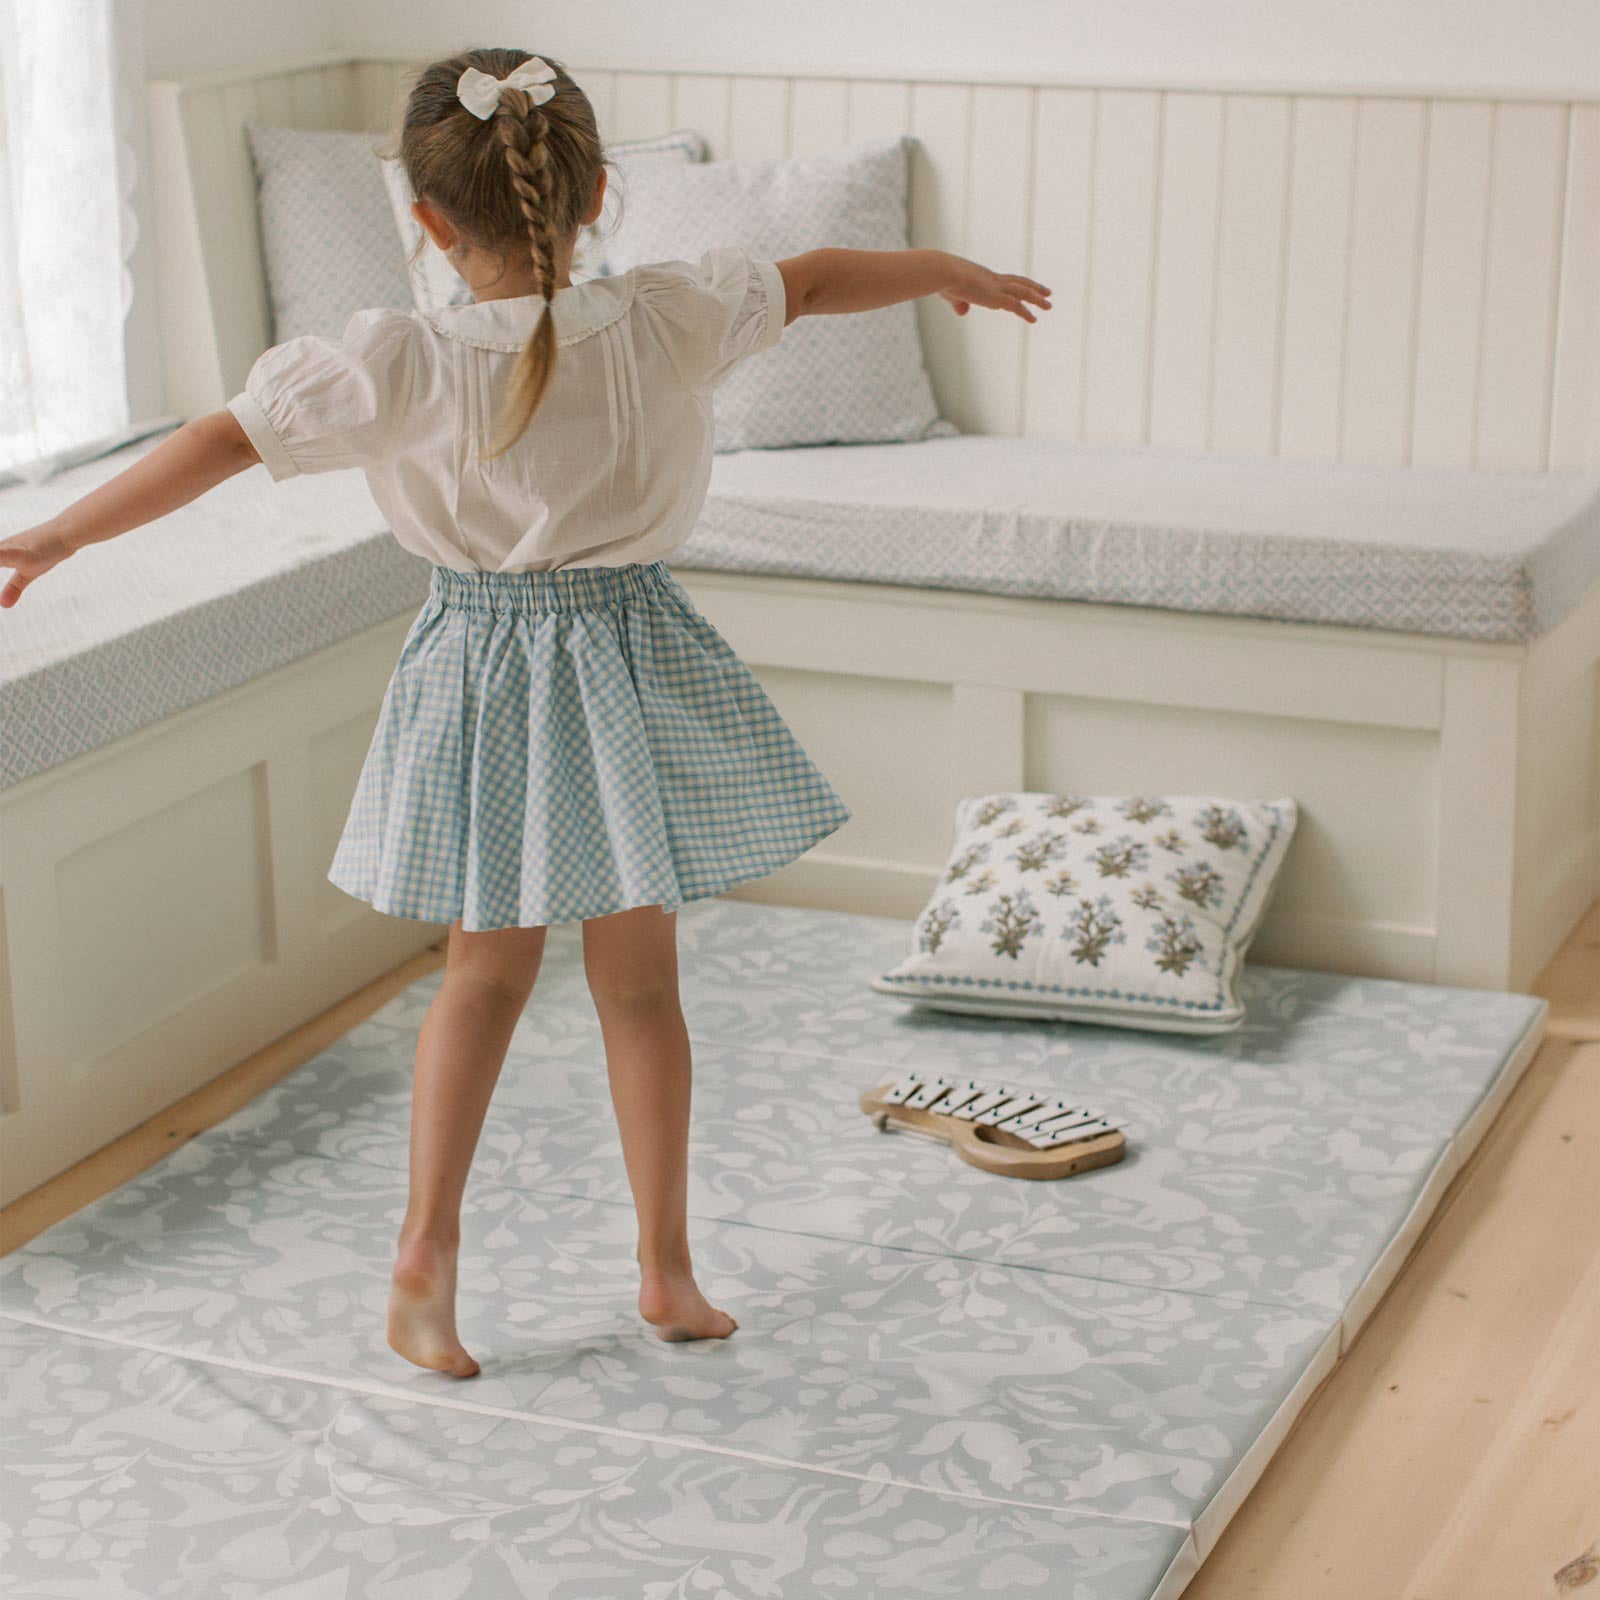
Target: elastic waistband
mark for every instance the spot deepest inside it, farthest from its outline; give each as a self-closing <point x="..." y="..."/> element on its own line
<point x="566" y="589"/>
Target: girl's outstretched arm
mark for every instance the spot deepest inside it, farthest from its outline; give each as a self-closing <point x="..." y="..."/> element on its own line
<point x="197" y="457"/>
<point x="834" y="280"/>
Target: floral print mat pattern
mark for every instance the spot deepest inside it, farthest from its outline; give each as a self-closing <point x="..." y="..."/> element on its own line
<point x="943" y="1381"/>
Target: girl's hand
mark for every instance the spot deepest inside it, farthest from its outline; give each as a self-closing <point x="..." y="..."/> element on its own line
<point x="30" y="554"/>
<point x="997" y="291"/>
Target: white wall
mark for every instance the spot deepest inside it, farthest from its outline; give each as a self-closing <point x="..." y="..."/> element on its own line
<point x="186" y="36"/>
<point x="1504" y="44"/>
<point x="172" y="38"/>
<point x="1447" y="44"/>
<point x="1532" y="46"/>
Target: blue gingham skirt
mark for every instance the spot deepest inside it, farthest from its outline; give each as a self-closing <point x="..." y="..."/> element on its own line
<point x="567" y="744"/>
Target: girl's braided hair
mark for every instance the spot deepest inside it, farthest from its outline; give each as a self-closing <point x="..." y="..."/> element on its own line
<point x="516" y="182"/>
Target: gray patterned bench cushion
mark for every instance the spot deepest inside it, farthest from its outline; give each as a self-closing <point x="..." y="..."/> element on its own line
<point x="250" y="577"/>
<point x="256" y="574"/>
<point x="1471" y="555"/>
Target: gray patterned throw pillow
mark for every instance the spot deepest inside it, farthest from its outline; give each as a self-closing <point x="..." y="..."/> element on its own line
<point x="327" y="232"/>
<point x="1133" y="911"/>
<point x="854" y="379"/>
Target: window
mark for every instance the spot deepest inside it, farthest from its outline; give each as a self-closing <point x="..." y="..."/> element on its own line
<point x="65" y="229"/>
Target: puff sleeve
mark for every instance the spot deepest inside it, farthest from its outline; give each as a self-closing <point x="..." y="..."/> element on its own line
<point x="712" y="313"/>
<point x="313" y="404"/>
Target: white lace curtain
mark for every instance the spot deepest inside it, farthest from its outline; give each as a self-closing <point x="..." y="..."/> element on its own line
<point x="65" y="229"/>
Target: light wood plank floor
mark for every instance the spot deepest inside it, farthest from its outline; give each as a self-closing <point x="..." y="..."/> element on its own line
<point x="1453" y="1454"/>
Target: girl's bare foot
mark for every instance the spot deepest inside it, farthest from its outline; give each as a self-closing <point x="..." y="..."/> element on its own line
<point x="671" y="1301"/>
<point x="422" y="1307"/>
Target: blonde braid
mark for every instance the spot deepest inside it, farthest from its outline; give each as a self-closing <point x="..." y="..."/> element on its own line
<point x="522" y="128"/>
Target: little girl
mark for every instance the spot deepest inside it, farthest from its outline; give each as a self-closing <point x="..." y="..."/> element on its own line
<point x="565" y="737"/>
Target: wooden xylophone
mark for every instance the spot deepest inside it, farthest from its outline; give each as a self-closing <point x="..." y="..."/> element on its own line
<point x="1016" y="1132"/>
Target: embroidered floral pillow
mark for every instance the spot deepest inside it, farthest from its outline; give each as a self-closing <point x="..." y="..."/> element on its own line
<point x="1133" y="911"/>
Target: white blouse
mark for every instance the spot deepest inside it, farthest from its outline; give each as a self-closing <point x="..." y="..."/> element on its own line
<point x="613" y="467"/>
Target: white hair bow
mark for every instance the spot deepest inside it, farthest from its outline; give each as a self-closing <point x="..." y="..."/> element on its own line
<point x="480" y="93"/>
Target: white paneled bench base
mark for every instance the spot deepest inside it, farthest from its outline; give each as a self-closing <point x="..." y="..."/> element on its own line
<point x="1450" y="822"/>
<point x="185" y="712"/>
<point x="943" y="1381"/>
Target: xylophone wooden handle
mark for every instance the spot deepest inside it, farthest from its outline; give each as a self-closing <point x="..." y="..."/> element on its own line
<point x="1009" y="1161"/>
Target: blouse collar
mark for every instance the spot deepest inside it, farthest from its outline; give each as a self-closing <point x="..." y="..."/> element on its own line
<point x="506" y="324"/>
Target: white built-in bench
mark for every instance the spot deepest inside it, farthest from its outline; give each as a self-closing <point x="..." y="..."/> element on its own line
<point x="1411" y="653"/>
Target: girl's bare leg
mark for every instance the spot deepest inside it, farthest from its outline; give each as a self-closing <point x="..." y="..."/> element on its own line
<point x="460" y="1049"/>
<point x="631" y="962"/>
